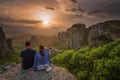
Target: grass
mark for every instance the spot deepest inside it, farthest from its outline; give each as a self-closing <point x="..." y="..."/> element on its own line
<point x="13" y="57"/>
<point x="10" y="58"/>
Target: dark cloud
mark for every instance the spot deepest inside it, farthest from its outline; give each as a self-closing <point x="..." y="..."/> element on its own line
<point x="78" y="9"/>
<point x="95" y="12"/>
<point x="81" y="9"/>
<point x="113" y="8"/>
<point x="74" y="1"/>
<point x="12" y="20"/>
<point x="50" y="8"/>
<point x="79" y="15"/>
<point x="72" y="10"/>
<point x="103" y="8"/>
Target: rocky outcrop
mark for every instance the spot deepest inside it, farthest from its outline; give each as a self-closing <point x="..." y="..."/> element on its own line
<point x="73" y="37"/>
<point x="10" y="45"/>
<point x="16" y="73"/>
<point x="103" y="33"/>
<point x="78" y="35"/>
<point x="5" y="45"/>
<point x="34" y="40"/>
<point x="6" y="67"/>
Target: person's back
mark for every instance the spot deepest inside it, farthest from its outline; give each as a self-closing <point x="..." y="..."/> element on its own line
<point x="46" y="59"/>
<point x="27" y="56"/>
<point x="42" y="60"/>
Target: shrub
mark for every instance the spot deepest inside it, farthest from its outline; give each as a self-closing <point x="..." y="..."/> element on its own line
<point x="98" y="63"/>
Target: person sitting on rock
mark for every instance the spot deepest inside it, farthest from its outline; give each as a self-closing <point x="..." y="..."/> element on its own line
<point x="27" y="56"/>
<point x="42" y="60"/>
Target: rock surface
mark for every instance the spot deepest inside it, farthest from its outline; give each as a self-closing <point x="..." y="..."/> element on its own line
<point x="78" y="35"/>
<point x="73" y="37"/>
<point x="6" y="67"/>
<point x="3" y="44"/>
<point x="103" y="33"/>
<point x="16" y="73"/>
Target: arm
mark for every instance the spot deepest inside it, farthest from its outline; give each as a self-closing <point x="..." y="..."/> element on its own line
<point x="35" y="63"/>
<point x="50" y="54"/>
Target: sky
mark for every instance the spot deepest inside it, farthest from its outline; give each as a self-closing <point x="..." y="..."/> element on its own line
<point x="47" y="17"/>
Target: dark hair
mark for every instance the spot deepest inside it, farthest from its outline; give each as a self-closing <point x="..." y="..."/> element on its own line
<point x="41" y="47"/>
<point x="28" y="43"/>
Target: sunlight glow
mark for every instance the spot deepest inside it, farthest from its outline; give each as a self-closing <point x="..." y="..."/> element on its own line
<point x="45" y="22"/>
<point x="46" y="17"/>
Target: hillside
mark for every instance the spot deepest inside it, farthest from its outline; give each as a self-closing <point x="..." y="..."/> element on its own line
<point x="97" y="63"/>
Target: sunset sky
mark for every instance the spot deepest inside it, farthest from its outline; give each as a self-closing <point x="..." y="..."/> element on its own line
<point x="47" y="17"/>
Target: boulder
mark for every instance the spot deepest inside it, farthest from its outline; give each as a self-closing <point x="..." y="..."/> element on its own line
<point x="16" y="73"/>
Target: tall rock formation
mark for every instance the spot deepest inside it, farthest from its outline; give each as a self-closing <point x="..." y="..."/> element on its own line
<point x="34" y="40"/>
<point x="95" y="35"/>
<point x="103" y="33"/>
<point x="3" y="44"/>
<point x="10" y="45"/>
<point x="73" y="37"/>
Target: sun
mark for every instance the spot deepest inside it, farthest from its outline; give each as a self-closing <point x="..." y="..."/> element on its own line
<point x="46" y="18"/>
<point x="45" y="22"/>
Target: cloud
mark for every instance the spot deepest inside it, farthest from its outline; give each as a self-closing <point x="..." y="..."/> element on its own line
<point x="12" y="20"/>
<point x="79" y="15"/>
<point x="108" y="8"/>
<point x="57" y="28"/>
<point x="113" y="8"/>
<point x="78" y="9"/>
<point x="63" y="12"/>
<point x="50" y="8"/>
<point x="73" y="1"/>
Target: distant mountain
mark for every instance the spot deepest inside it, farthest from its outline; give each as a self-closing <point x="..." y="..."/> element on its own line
<point x="18" y="30"/>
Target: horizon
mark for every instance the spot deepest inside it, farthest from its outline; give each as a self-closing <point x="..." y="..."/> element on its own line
<point x="49" y="17"/>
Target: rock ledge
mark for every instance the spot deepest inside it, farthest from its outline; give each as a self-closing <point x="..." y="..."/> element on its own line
<point x="16" y="73"/>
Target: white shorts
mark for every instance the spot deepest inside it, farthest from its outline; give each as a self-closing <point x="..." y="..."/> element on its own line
<point x="47" y="67"/>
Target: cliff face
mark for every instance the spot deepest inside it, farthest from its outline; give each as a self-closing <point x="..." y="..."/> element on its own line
<point x="5" y="44"/>
<point x="78" y="35"/>
<point x="73" y="37"/>
<point x="16" y="73"/>
<point x="103" y="33"/>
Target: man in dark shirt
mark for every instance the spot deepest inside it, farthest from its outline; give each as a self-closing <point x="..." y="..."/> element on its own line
<point x="27" y="56"/>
